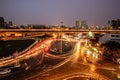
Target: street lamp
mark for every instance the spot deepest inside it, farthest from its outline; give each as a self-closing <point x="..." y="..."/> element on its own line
<point x="60" y="36"/>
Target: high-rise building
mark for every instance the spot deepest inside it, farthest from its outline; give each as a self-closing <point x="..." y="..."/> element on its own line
<point x="115" y="24"/>
<point x="2" y="22"/>
<point x="10" y="23"/>
<point x="81" y="24"/>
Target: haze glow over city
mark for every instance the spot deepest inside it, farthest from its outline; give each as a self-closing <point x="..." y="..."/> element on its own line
<point x="52" y="12"/>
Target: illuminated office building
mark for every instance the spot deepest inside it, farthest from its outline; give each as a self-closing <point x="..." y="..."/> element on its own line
<point x="81" y="24"/>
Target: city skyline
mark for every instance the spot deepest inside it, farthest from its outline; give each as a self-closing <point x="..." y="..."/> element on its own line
<point x="54" y="11"/>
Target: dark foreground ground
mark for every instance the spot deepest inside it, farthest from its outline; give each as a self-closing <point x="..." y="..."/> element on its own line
<point x="9" y="47"/>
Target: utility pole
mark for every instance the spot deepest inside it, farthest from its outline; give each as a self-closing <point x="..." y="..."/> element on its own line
<point x="61" y="23"/>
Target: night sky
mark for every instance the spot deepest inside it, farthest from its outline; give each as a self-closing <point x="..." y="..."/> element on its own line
<point x="52" y="12"/>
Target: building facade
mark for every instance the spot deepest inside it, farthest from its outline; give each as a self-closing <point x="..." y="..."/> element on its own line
<point x="10" y="23"/>
<point x="115" y="24"/>
<point x="81" y="24"/>
<point x="2" y="22"/>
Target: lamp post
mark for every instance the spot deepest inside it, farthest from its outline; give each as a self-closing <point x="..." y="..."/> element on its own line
<point x="61" y="36"/>
<point x="60" y="32"/>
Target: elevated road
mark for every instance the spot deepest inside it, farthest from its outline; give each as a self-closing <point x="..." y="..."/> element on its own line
<point x="69" y="68"/>
<point x="6" y="34"/>
<point x="72" y="68"/>
<point x="55" y="30"/>
<point x="34" y="51"/>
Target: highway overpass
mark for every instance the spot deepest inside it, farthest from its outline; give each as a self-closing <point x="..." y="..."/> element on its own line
<point x="37" y="32"/>
<point x="55" y="30"/>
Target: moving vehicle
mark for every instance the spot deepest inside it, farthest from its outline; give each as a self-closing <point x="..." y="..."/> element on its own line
<point x="5" y="71"/>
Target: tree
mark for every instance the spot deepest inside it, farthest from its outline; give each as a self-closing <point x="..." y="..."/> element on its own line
<point x="111" y="50"/>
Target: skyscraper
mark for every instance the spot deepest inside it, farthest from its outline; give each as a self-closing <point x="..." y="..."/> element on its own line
<point x="2" y="22"/>
<point x="10" y="23"/>
<point x="115" y="24"/>
<point x="81" y="24"/>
